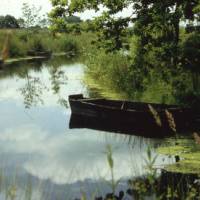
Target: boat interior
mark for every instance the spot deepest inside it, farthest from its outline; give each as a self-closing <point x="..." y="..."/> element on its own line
<point x="128" y="105"/>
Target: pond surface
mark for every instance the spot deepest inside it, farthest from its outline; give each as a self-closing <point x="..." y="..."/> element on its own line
<point x="39" y="150"/>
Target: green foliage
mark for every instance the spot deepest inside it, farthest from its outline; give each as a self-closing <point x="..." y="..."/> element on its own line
<point x="145" y="186"/>
<point x="150" y="161"/>
<point x="75" y="29"/>
<point x="110" y="161"/>
<point x="16" y="48"/>
<point x="110" y="69"/>
<point x="188" y="150"/>
<point x="109" y="157"/>
<point x="156" y="48"/>
<point x="8" y="21"/>
<point x="73" y="19"/>
<point x="191" y="52"/>
<point x="36" y="44"/>
<point x="153" y="17"/>
<point x="127" y="76"/>
<point x="69" y="46"/>
<point x="24" y="41"/>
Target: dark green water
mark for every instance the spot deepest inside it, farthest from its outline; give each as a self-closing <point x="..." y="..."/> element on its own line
<point x="36" y="146"/>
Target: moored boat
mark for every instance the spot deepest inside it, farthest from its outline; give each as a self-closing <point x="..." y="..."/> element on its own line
<point x="129" y="114"/>
<point x="1" y="63"/>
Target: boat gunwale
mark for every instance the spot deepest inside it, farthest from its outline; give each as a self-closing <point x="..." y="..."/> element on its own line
<point x="160" y="110"/>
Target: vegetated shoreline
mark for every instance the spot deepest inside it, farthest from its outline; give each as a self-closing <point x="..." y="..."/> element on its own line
<point x="27" y="58"/>
<point x="21" y="44"/>
<point x="188" y="151"/>
<point x="102" y="91"/>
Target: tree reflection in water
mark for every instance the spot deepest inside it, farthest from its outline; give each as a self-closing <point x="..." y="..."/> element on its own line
<point x="32" y="91"/>
<point x="57" y="79"/>
<point x="34" y="88"/>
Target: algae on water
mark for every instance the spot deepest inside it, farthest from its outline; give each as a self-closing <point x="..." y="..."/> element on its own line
<point x="189" y="153"/>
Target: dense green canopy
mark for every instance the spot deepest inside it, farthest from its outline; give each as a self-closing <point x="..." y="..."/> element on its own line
<point x="154" y="20"/>
<point x="8" y="21"/>
<point x="156" y="25"/>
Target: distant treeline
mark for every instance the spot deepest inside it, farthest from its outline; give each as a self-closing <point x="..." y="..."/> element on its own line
<point x="10" y="22"/>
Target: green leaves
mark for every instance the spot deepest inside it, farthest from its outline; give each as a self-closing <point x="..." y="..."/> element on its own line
<point x="57" y="12"/>
<point x="190" y="52"/>
<point x="156" y="24"/>
<point x="8" y="21"/>
<point x="59" y="2"/>
<point x="109" y="156"/>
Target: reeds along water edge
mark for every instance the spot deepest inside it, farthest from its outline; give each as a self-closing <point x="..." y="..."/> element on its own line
<point x="5" y="50"/>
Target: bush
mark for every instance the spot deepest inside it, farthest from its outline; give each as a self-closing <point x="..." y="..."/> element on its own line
<point x="23" y="36"/>
<point x="113" y="70"/>
<point x="24" y="41"/>
<point x="36" y="44"/>
<point x="16" y="48"/>
<point x="191" y="52"/>
<point x="69" y="46"/>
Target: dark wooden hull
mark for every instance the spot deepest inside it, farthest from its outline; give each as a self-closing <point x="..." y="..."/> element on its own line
<point x="1" y="62"/>
<point x="78" y="121"/>
<point x="129" y="114"/>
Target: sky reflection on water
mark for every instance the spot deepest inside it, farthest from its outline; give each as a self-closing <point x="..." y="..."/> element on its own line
<point x="37" y="142"/>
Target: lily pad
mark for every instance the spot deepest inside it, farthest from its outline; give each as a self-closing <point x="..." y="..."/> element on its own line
<point x="189" y="153"/>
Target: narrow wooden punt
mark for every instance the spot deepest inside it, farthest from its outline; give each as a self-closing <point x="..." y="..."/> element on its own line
<point x="129" y="114"/>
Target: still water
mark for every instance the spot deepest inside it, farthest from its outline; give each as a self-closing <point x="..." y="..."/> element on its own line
<point x="39" y="150"/>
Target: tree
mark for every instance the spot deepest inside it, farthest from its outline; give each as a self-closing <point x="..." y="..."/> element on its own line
<point x="152" y="14"/>
<point x="156" y="26"/>
<point x="191" y="52"/>
<point x="73" y="19"/>
<point x="32" y="16"/>
<point x="8" y="21"/>
<point x="21" y="22"/>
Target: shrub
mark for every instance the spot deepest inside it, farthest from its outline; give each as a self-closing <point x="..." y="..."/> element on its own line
<point x="69" y="46"/>
<point x="16" y="48"/>
<point x="36" y="44"/>
<point x="191" y="52"/>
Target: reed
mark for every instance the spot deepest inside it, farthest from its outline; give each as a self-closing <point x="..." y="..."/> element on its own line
<point x="5" y="50"/>
<point x="24" y="41"/>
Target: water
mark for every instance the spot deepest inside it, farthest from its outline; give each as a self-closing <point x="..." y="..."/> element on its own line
<point x="36" y="146"/>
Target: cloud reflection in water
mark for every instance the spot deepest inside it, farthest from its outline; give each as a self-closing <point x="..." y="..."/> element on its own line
<point x="38" y="142"/>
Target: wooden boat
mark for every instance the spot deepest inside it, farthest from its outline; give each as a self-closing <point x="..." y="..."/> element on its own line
<point x="1" y="62"/>
<point x="128" y="114"/>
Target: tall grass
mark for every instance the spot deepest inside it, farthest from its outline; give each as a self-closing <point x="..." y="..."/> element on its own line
<point x="23" y="41"/>
<point x="110" y="70"/>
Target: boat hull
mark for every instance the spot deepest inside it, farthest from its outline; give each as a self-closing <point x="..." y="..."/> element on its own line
<point x="178" y="120"/>
<point x="1" y="62"/>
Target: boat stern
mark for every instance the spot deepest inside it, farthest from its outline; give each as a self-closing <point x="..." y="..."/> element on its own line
<point x="75" y="97"/>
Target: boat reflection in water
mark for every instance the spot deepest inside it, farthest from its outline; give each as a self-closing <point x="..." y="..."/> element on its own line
<point x="135" y="118"/>
<point x="78" y="121"/>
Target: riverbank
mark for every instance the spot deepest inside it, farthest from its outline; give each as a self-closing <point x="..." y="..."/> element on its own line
<point x="100" y="90"/>
<point x="142" y="77"/>
<point x="29" y="58"/>
<point x="22" y="42"/>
